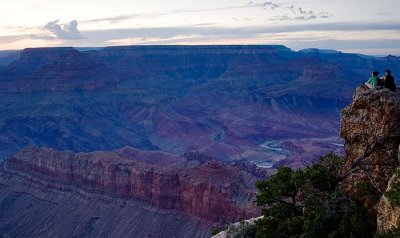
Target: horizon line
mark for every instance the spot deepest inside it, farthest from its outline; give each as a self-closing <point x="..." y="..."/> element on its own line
<point x="200" y="45"/>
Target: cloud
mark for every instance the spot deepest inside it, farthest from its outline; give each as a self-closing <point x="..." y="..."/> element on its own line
<point x="347" y="44"/>
<point x="114" y="19"/>
<point x="287" y="18"/>
<point x="304" y="12"/>
<point x="227" y="32"/>
<point x="201" y="10"/>
<point x="258" y="35"/>
<point x="271" y="5"/>
<point x="297" y="36"/>
<point x="11" y="38"/>
<point x="246" y="19"/>
<point x="324" y="14"/>
<point x="295" y="13"/>
<point x="264" y="5"/>
<point x="281" y="18"/>
<point x="117" y="19"/>
<point x="387" y="13"/>
<point x="209" y="29"/>
<point x="300" y="14"/>
<point x="292" y="9"/>
<point x="306" y="17"/>
<point x="64" y="31"/>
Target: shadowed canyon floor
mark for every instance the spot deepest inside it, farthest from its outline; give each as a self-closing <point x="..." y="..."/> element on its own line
<point x="30" y="210"/>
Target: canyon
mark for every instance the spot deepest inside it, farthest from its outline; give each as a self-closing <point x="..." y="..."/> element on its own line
<point x="223" y="101"/>
<point x="168" y="141"/>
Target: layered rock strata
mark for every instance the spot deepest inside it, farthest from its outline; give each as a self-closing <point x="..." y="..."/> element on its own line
<point x="208" y="191"/>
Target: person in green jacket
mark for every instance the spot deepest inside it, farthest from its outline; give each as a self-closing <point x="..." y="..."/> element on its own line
<point x="374" y="81"/>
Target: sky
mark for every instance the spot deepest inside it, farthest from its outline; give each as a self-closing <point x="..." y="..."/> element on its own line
<point x="361" y="26"/>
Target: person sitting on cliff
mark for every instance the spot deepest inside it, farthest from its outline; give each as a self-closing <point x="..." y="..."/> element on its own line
<point x="388" y="80"/>
<point x="374" y="82"/>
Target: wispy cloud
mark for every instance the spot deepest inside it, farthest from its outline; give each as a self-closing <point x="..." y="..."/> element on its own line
<point x="64" y="31"/>
<point x="295" y="13"/>
<point x="304" y="12"/>
<point x="204" y="30"/>
<point x="264" y="5"/>
<point x="216" y="32"/>
<point x="114" y="19"/>
<point x="296" y="36"/>
<point x="299" y="13"/>
<point x="347" y="44"/>
<point x="246" y="19"/>
<point x="292" y="9"/>
<point x="117" y="19"/>
<point x="386" y="13"/>
<point x="11" y="38"/>
<point x="324" y="14"/>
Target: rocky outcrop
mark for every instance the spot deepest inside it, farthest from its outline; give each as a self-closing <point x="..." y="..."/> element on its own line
<point x="238" y="227"/>
<point x="370" y="126"/>
<point x="208" y="191"/>
<point x="388" y="213"/>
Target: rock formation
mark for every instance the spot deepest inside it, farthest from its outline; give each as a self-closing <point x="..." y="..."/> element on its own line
<point x="210" y="191"/>
<point x="221" y="100"/>
<point x="370" y="126"/>
<point x="388" y="213"/>
<point x="237" y="226"/>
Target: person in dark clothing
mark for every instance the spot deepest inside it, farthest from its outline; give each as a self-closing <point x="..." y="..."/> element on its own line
<point x="388" y="80"/>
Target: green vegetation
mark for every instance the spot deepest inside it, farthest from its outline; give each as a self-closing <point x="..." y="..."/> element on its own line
<point x="215" y="230"/>
<point x="310" y="203"/>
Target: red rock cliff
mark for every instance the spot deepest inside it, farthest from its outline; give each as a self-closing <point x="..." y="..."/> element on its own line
<point x="210" y="191"/>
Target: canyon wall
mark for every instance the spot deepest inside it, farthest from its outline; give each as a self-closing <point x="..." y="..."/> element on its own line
<point x="209" y="191"/>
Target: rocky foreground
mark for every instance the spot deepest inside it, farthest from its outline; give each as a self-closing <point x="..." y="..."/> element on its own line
<point x="370" y="126"/>
<point x="112" y="194"/>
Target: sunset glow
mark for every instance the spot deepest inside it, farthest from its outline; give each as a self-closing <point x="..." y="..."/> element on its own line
<point x="351" y="26"/>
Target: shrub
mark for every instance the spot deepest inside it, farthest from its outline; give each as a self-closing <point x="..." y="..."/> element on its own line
<point x="215" y="230"/>
<point x="310" y="203"/>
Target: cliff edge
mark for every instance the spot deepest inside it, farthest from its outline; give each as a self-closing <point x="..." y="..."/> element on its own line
<point x="370" y="126"/>
<point x="209" y="191"/>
